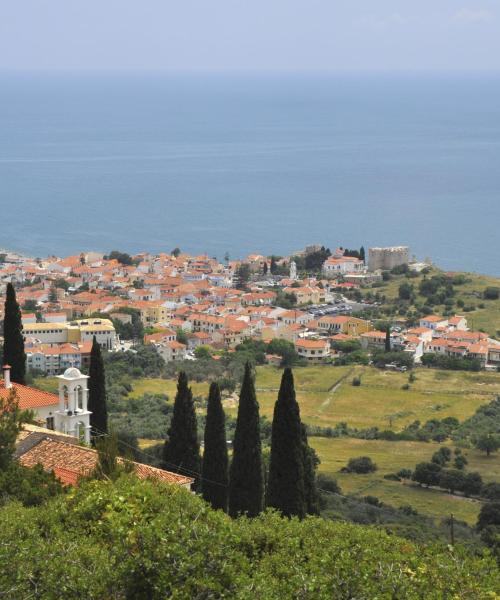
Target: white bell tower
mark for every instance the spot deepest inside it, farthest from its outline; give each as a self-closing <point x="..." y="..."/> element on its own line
<point x="293" y="270"/>
<point x="72" y="416"/>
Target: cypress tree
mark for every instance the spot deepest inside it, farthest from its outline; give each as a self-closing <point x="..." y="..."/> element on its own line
<point x="13" y="345"/>
<point x="182" y="451"/>
<point x="246" y="478"/>
<point x="388" y="339"/>
<point x="311" y="461"/>
<point x="215" y="461"/>
<point x="362" y="253"/>
<point x="97" y="393"/>
<point x="286" y="470"/>
<point x="274" y="265"/>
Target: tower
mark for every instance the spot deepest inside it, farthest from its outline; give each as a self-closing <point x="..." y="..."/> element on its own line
<point x="72" y="416"/>
<point x="293" y="270"/>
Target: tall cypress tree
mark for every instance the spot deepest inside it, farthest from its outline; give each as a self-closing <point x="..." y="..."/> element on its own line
<point x="215" y="462"/>
<point x="362" y="254"/>
<point x="97" y="393"/>
<point x="286" y="470"/>
<point x="388" y="339"/>
<point x="182" y="451"/>
<point x="13" y="345"/>
<point x="246" y="478"/>
<point x="311" y="461"/>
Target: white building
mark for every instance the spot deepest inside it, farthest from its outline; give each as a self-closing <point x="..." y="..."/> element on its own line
<point x="332" y="267"/>
<point x="66" y="412"/>
<point x="313" y="350"/>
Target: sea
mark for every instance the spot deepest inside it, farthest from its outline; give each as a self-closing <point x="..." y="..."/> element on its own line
<point x="252" y="163"/>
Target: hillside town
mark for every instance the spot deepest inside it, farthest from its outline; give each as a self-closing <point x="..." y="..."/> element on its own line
<point x="183" y="302"/>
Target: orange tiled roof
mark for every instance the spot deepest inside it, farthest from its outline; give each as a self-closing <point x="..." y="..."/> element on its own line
<point x="29" y="397"/>
<point x="303" y="343"/>
<point x="433" y="319"/>
<point x="73" y="461"/>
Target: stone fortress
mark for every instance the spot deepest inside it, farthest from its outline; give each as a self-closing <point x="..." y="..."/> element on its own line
<point x="386" y="259"/>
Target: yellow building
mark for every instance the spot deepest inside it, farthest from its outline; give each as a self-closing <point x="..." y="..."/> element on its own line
<point x="343" y="324"/>
<point x="81" y="330"/>
<point x="306" y="294"/>
<point x="153" y="312"/>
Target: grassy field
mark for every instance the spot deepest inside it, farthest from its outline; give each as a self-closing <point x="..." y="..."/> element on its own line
<point x="164" y="386"/>
<point x="380" y="401"/>
<point x="392" y="456"/>
<point x="487" y="318"/>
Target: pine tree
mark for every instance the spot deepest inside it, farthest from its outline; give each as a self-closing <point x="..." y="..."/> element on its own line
<point x="182" y="451"/>
<point x="13" y="345"/>
<point x="362" y="253"/>
<point x="246" y="481"/>
<point x="388" y="339"/>
<point x="285" y="490"/>
<point x="97" y="393"/>
<point x="311" y="461"/>
<point x="215" y="461"/>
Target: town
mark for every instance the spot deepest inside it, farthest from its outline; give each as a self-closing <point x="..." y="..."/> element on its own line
<point x="179" y="303"/>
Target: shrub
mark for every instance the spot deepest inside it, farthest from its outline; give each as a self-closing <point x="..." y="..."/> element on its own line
<point x="356" y="381"/>
<point x="427" y="474"/>
<point x="405" y="473"/>
<point x="460" y="462"/>
<point x="363" y="465"/>
<point x="491" y="293"/>
<point x="442" y="456"/>
<point x="451" y="480"/>
<point x="491" y="491"/>
<point x="328" y="484"/>
<point x="472" y="484"/>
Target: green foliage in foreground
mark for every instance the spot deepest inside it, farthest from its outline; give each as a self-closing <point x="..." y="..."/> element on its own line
<point x="134" y="539"/>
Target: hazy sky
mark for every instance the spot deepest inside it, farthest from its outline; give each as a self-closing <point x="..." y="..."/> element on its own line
<point x="250" y="34"/>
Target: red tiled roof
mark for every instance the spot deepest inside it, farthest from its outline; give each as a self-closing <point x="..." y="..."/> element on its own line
<point x="29" y="397"/>
<point x="303" y="343"/>
<point x="71" y="461"/>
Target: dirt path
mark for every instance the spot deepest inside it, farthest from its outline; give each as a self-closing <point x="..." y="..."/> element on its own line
<point x="331" y="390"/>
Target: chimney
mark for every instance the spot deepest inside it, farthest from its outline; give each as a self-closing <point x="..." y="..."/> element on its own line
<point x="6" y="377"/>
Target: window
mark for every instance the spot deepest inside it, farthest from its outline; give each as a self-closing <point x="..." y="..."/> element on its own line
<point x="50" y="423"/>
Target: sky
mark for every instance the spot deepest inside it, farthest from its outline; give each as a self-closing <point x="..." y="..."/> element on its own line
<point x="250" y="34"/>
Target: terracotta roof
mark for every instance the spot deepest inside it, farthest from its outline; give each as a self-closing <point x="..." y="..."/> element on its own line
<point x="321" y="344"/>
<point x="418" y="330"/>
<point x="374" y="334"/>
<point x="29" y="397"/>
<point x="466" y="335"/>
<point x="433" y="319"/>
<point x="456" y="319"/>
<point x="73" y="461"/>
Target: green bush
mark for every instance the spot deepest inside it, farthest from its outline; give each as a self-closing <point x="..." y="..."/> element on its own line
<point x="140" y="540"/>
<point x="362" y="464"/>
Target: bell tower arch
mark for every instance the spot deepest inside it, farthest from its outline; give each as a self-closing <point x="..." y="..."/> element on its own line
<point x="73" y="416"/>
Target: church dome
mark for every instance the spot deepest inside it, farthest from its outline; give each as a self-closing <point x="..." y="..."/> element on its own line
<point x="72" y="373"/>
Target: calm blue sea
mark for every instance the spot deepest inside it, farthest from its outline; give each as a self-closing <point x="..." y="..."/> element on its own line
<point x="247" y="162"/>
